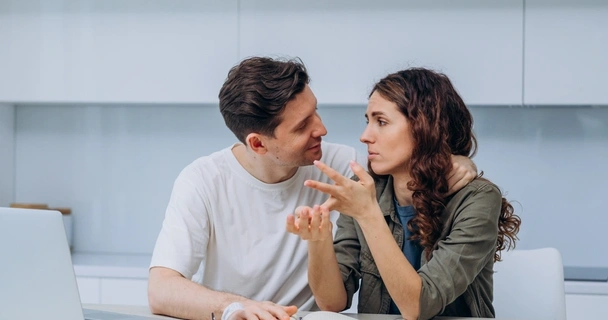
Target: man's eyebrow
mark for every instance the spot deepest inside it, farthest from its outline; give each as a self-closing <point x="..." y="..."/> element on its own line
<point x="299" y="123"/>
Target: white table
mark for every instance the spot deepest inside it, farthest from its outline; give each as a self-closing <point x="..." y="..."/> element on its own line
<point x="145" y="311"/>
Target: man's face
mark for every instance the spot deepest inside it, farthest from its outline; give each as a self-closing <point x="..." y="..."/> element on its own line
<point x="297" y="140"/>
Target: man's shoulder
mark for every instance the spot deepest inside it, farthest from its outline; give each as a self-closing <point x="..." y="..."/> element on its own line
<point x="206" y="166"/>
<point x="330" y="146"/>
<point x="337" y="152"/>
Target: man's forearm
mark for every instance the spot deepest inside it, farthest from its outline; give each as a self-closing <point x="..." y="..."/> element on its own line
<point x="179" y="297"/>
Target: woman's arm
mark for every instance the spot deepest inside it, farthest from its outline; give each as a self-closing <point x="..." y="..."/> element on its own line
<point x="401" y="280"/>
<point x="357" y="199"/>
<point x="324" y="276"/>
<point x="325" y="280"/>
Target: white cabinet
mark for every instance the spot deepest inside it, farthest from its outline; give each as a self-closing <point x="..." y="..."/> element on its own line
<point x="349" y="45"/>
<point x="585" y="307"/>
<point x="124" y="291"/>
<point x="88" y="288"/>
<point x="7" y="156"/>
<point x="116" y="51"/>
<point x="566" y="45"/>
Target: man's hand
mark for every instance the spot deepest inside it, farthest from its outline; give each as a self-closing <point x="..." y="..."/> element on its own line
<point x="463" y="172"/>
<point x="265" y="310"/>
<point x="312" y="224"/>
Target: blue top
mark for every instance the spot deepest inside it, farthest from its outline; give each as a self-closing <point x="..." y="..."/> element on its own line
<point x="411" y="249"/>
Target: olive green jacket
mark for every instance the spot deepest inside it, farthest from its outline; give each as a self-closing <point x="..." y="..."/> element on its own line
<point x="457" y="281"/>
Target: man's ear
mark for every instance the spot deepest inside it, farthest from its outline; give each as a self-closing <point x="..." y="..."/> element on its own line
<point x="256" y="142"/>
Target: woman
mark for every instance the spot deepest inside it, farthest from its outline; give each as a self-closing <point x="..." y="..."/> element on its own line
<point x="417" y="252"/>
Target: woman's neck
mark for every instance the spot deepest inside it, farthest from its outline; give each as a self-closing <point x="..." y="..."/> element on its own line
<point x="402" y="193"/>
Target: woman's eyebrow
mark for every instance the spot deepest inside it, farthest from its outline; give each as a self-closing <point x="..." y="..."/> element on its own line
<point x="376" y="114"/>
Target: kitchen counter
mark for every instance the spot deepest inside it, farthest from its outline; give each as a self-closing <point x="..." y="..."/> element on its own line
<point x="586" y="287"/>
<point x="111" y="265"/>
<point x="586" y="280"/>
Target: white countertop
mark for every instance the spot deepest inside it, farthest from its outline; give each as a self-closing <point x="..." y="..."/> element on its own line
<point x="111" y="265"/>
<point x="136" y="266"/>
<point x="586" y="287"/>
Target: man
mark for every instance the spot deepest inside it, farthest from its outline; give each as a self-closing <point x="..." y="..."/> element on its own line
<point x="223" y="248"/>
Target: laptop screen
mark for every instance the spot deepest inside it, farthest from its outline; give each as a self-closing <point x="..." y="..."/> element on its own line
<point x="37" y="278"/>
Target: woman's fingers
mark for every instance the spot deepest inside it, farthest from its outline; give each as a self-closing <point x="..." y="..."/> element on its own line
<point x="361" y="173"/>
<point x="320" y="186"/>
<point x="331" y="173"/>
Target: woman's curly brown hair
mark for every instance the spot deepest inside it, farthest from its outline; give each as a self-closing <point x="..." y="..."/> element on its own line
<point x="441" y="125"/>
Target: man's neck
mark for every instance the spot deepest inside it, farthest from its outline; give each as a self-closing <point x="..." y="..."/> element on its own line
<point x="259" y="167"/>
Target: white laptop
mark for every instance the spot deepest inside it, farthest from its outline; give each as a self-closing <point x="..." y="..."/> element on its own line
<point x="37" y="278"/>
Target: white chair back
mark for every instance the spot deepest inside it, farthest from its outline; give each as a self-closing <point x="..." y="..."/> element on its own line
<point x="529" y="284"/>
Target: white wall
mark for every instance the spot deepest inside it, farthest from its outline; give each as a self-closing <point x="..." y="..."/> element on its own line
<point x="7" y="154"/>
<point x="115" y="166"/>
<point x="553" y="162"/>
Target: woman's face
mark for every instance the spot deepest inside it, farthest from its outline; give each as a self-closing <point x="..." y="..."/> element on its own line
<point x="388" y="137"/>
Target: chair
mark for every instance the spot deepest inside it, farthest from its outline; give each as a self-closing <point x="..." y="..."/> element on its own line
<point x="529" y="284"/>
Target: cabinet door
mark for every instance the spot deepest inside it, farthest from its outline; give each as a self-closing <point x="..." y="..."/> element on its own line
<point x="585" y="307"/>
<point x="349" y="45"/>
<point x="566" y="44"/>
<point x="7" y="156"/>
<point x="116" y="50"/>
<point x="88" y="289"/>
<point x="124" y="291"/>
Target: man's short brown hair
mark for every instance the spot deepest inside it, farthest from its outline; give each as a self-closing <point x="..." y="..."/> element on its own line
<point x="257" y="90"/>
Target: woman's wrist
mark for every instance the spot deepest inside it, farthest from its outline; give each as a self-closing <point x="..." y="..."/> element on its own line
<point x="370" y="215"/>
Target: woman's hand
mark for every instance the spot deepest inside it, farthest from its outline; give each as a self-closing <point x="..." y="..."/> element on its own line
<point x="352" y="198"/>
<point x="312" y="224"/>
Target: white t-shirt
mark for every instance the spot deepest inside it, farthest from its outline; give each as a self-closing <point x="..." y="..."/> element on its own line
<point x="225" y="229"/>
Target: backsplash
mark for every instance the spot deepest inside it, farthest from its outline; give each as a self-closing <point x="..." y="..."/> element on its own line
<point x="115" y="166"/>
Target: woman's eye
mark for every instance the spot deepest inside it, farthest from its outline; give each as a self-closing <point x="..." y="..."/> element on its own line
<point x="381" y="123"/>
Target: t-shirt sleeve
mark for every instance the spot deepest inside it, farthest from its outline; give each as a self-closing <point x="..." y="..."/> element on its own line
<point x="184" y="235"/>
<point x="361" y="159"/>
<point x="339" y="156"/>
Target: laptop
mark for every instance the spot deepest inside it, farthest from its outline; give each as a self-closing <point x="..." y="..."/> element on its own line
<point x="37" y="278"/>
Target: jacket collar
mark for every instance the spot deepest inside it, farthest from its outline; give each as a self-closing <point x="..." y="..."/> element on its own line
<point x="385" y="194"/>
